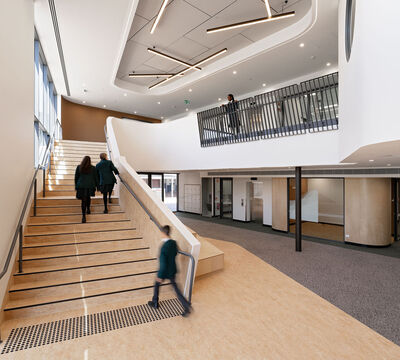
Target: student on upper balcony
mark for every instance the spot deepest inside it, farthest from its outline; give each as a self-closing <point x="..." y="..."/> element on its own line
<point x="106" y="170"/>
<point x="232" y="108"/>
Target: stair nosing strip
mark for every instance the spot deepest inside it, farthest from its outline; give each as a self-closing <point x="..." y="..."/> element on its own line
<point x="83" y="242"/>
<point x="82" y="297"/>
<point x="85" y="267"/>
<point x="81" y="232"/>
<point x="83" y="281"/>
<point x="76" y="223"/>
<point x="85" y="254"/>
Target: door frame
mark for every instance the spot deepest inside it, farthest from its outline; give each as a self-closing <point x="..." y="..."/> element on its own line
<point x="221" y="213"/>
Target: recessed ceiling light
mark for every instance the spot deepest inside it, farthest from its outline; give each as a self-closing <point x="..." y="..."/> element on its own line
<point x="158" y="102"/>
<point x="389" y="164"/>
<point x="83" y="84"/>
<point x="135" y="112"/>
<point x="264" y="85"/>
<point x="219" y="99"/>
<point x="125" y="94"/>
<point x="301" y="45"/>
<point x="234" y="72"/>
<point x="328" y="64"/>
<point x="162" y="117"/>
<point x="371" y="160"/>
<point x="190" y="90"/>
<point x="187" y="109"/>
<point x="104" y="106"/>
<point x="84" y="101"/>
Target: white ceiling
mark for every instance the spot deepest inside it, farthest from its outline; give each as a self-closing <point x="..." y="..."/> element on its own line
<point x="182" y="32"/>
<point x="102" y="39"/>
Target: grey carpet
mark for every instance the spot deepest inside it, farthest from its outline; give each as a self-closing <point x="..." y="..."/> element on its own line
<point x="363" y="284"/>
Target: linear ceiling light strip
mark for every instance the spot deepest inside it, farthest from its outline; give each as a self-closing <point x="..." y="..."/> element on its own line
<point x="150" y="75"/>
<point x="173" y="59"/>
<point x="268" y="8"/>
<point x="156" y="21"/>
<point x="208" y="58"/>
<point x="59" y="45"/>
<point x="251" y="22"/>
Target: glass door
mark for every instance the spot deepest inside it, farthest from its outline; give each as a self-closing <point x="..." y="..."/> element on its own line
<point x="171" y="191"/>
<point x="226" y="198"/>
<point x="156" y="184"/>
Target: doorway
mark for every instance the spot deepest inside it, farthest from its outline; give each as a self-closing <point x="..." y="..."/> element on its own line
<point x="396" y="209"/>
<point x="206" y="187"/>
<point x="223" y="197"/>
<point x="255" y="195"/>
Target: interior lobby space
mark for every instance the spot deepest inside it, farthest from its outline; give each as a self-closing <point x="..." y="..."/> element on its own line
<point x="211" y="179"/>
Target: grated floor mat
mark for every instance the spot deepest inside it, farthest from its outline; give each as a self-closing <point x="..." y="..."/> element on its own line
<point x="86" y="325"/>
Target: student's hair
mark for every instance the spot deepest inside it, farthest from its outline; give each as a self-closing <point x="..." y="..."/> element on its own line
<point x="85" y="165"/>
<point x="166" y="230"/>
<point x="103" y="156"/>
<point x="231" y="95"/>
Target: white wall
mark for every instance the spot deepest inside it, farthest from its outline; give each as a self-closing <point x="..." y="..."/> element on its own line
<point x="369" y="82"/>
<point x="175" y="146"/>
<point x="16" y="104"/>
<point x="267" y="201"/>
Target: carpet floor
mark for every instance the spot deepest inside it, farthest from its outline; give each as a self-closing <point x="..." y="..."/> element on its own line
<point x="363" y="282"/>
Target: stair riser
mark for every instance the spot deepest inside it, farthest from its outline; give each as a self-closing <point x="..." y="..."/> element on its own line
<point x="78" y="228"/>
<point x="60" y="182"/>
<point x="62" y="193"/>
<point x="98" y="209"/>
<point x="29" y="266"/>
<point x="81" y="149"/>
<point x="101" y="286"/>
<point x="84" y="305"/>
<point x="92" y="272"/>
<point x="58" y="187"/>
<point x="67" y="202"/>
<point x="82" y="237"/>
<point x="75" y="218"/>
<point x="83" y="248"/>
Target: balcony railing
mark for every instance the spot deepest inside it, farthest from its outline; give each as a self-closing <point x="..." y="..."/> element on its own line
<point x="310" y="106"/>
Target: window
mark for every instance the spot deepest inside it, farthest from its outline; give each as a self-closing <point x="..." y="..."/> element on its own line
<point x="46" y="121"/>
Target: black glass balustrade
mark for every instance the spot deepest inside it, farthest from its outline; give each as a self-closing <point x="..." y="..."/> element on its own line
<point x="311" y="106"/>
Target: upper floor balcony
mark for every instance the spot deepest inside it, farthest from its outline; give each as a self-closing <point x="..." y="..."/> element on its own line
<point x="311" y="106"/>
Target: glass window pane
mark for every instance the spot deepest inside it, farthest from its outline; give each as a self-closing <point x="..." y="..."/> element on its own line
<point x="171" y="191"/>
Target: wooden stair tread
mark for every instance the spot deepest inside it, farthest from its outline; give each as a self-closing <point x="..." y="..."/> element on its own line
<point x="75" y="218"/>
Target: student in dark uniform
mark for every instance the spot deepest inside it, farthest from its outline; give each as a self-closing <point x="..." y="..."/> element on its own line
<point x="86" y="182"/>
<point x="167" y="270"/>
<point x="106" y="170"/>
<point x="232" y="108"/>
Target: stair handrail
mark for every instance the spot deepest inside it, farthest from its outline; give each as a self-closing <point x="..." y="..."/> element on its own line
<point x="18" y="230"/>
<point x="147" y="211"/>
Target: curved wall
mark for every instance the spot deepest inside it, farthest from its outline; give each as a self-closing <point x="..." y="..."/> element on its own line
<point x="369" y="81"/>
<point x="175" y="146"/>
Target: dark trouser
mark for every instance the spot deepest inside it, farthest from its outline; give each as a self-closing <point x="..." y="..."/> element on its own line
<point x="85" y="204"/>
<point x="105" y="199"/>
<point x="180" y="296"/>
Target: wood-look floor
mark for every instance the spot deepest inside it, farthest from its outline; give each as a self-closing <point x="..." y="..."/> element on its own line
<point x="247" y="311"/>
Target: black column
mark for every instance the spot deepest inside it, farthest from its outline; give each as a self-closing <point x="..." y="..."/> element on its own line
<point x="298" y="208"/>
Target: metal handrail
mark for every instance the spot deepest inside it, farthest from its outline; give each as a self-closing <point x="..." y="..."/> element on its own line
<point x="19" y="229"/>
<point x="147" y="211"/>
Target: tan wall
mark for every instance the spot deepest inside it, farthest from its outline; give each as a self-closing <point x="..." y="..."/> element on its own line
<point x="279" y="204"/>
<point x="368" y="211"/>
<point x="86" y="123"/>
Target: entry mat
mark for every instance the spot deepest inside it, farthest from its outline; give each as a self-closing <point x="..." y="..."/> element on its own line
<point x="67" y="329"/>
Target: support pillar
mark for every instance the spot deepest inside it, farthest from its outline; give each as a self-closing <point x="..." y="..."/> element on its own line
<point x="298" y="208"/>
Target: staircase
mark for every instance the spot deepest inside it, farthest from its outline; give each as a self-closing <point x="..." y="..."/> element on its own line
<point x="70" y="266"/>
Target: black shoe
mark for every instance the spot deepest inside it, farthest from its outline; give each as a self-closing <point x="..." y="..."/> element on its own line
<point x="109" y="201"/>
<point x="83" y="219"/>
<point x="88" y="211"/>
<point x="186" y="312"/>
<point x="153" y="304"/>
<point x="105" y="211"/>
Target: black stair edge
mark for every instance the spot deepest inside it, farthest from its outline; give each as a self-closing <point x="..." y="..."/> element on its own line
<point x="82" y="297"/>
<point x="83" y="242"/>
<point x="83" y="281"/>
<point x="84" y="267"/>
<point x="79" y="222"/>
<point x="86" y="254"/>
<point x="81" y="232"/>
